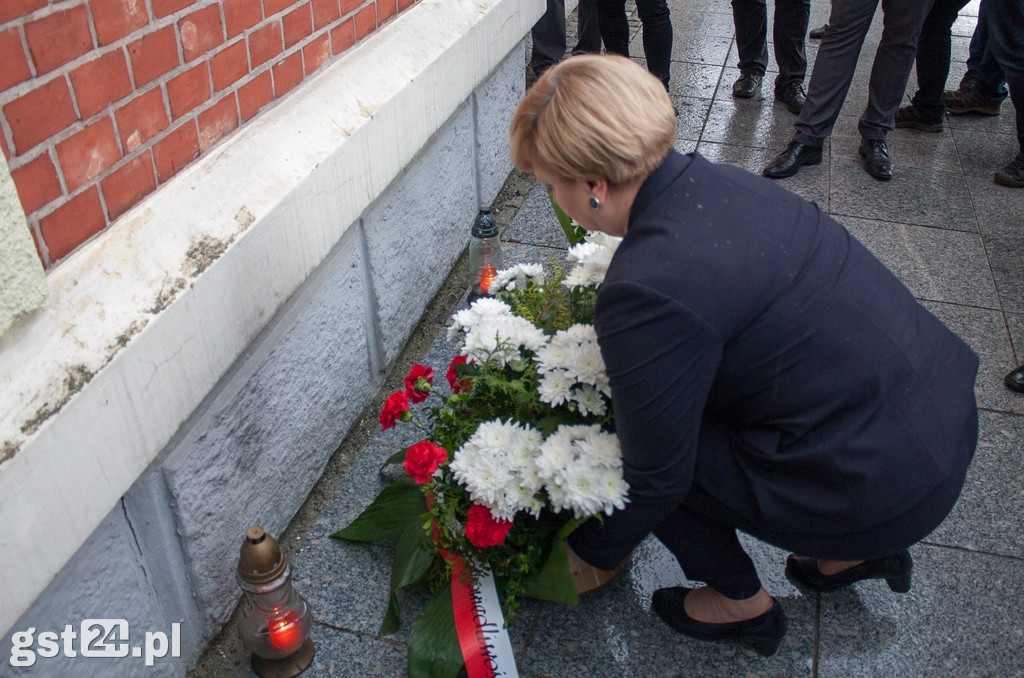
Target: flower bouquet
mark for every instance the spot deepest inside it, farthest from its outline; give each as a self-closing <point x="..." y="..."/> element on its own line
<point x="521" y="453"/>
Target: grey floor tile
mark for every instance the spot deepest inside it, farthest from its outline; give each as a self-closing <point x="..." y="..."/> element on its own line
<point x="706" y="50"/>
<point x="614" y="633"/>
<point x="810" y="183"/>
<point x="982" y="152"/>
<point x="935" y="264"/>
<point x="985" y="332"/>
<point x="347" y="583"/>
<point x="693" y="115"/>
<point x="348" y="655"/>
<point x="1004" y="256"/>
<point x="987" y="515"/>
<point x="692" y="80"/>
<point x="1000" y="209"/>
<point x="758" y="122"/>
<point x="690" y="23"/>
<point x="960" y="619"/>
<point x="535" y="223"/>
<point x="910" y="197"/>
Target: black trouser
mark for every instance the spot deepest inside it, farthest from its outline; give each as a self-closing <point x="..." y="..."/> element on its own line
<point x="788" y="31"/>
<point x="548" y="34"/>
<point x="1006" y="41"/>
<point x="933" y="55"/>
<point x="657" y="32"/>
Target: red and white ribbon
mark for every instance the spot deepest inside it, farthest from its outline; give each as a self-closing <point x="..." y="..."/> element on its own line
<point x="483" y="638"/>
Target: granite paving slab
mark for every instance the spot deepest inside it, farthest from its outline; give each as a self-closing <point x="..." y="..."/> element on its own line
<point x="911" y="197"/>
<point x="959" y="619"/>
<point x="936" y="264"/>
<point x="987" y="515"/>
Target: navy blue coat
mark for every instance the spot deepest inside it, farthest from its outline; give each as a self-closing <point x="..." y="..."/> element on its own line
<point x="760" y="353"/>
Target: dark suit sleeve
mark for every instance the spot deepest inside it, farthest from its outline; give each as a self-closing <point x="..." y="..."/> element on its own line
<point x="661" y="360"/>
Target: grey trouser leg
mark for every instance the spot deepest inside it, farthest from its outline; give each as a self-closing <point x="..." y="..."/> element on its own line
<point x="837" y="60"/>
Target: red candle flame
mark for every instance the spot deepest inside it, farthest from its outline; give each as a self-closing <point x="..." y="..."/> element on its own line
<point x="487" y="276"/>
<point x="286" y="631"/>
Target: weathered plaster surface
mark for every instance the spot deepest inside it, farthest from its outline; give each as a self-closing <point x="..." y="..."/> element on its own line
<point x="22" y="282"/>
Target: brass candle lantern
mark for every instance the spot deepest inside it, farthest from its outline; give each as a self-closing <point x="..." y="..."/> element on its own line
<point x="275" y="620"/>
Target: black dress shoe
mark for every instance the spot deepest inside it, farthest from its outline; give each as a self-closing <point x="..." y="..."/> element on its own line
<point x="1015" y="380"/>
<point x="795" y="156"/>
<point x="746" y="86"/>
<point x="895" y="569"/>
<point x="876" y="158"/>
<point x="818" y="33"/>
<point x="793" y="96"/>
<point x="763" y="633"/>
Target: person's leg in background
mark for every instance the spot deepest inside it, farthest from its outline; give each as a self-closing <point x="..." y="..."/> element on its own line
<point x="1005" y="20"/>
<point x="548" y="36"/>
<point x="750" y="18"/>
<point x="657" y="37"/>
<point x="788" y="30"/>
<point x="894" y="59"/>
<point x="934" y="48"/>
<point x="588" y="30"/>
<point x="614" y="26"/>
<point x="982" y="90"/>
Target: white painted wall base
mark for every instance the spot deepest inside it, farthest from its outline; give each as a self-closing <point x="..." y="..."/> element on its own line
<point x="260" y="299"/>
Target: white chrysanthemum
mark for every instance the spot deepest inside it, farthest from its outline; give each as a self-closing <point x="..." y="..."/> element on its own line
<point x="588" y="400"/>
<point x="579" y="471"/>
<point x="592" y="257"/>
<point x="464" y="320"/>
<point x="555" y="388"/>
<point x="495" y="466"/>
<point x="588" y="364"/>
<point x="502" y="339"/>
<point x="517" y="277"/>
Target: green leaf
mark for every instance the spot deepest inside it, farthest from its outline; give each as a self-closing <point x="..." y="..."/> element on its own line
<point x="433" y="643"/>
<point x="392" y="619"/>
<point x="413" y="556"/>
<point x="573" y="234"/>
<point x="554" y="581"/>
<point x="397" y="505"/>
<point x="396" y="458"/>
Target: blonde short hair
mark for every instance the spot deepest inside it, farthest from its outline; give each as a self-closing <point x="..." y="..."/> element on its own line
<point x="594" y="117"/>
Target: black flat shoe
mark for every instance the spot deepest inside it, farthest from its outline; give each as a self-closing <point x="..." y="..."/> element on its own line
<point x="876" y="158"/>
<point x="795" y="156"/>
<point x="746" y="86"/>
<point x="762" y="633"/>
<point x="818" y="33"/>
<point x="1015" y="380"/>
<point x="894" y="569"/>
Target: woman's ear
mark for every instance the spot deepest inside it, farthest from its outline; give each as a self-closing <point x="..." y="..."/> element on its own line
<point x="598" y="188"/>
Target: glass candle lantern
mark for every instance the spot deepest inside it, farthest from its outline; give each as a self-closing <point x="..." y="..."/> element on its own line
<point x="484" y="254"/>
<point x="274" y="620"/>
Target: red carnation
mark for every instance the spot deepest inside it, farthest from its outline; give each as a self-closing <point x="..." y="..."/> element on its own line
<point x="418" y="383"/>
<point x="482" y="530"/>
<point x="394" y="408"/>
<point x="422" y="460"/>
<point x="458" y="385"/>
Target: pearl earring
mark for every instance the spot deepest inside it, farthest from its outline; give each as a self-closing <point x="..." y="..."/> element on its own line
<point x="595" y="203"/>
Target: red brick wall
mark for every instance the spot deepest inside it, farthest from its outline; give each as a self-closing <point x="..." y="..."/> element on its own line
<point x="102" y="101"/>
